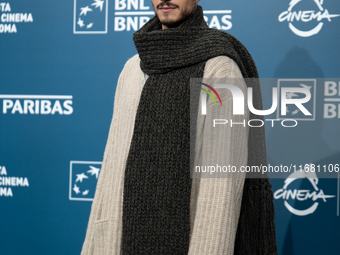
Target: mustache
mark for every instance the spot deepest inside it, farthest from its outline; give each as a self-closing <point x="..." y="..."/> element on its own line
<point x="168" y="4"/>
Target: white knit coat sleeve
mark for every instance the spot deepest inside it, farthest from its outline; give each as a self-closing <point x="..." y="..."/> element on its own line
<point x="216" y="202"/>
<point x="103" y="235"/>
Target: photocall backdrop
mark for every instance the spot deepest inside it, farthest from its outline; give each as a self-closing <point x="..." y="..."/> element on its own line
<point x="60" y="61"/>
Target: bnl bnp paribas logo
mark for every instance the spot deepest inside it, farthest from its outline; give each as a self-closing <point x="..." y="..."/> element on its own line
<point x="83" y="179"/>
<point x="302" y="200"/>
<point x="306" y="17"/>
<point x="91" y="16"/>
<point x="37" y="104"/>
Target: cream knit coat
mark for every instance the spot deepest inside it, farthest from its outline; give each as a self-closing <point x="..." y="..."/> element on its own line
<point x="215" y="202"/>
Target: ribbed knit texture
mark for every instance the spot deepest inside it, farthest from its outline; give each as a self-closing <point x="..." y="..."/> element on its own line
<point x="215" y="204"/>
<point x="157" y="182"/>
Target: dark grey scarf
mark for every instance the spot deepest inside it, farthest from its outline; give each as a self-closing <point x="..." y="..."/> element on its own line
<point x="157" y="183"/>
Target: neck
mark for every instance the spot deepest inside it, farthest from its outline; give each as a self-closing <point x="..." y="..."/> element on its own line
<point x="165" y="27"/>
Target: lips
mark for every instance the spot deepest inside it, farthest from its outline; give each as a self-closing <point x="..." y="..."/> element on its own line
<point x="167" y="9"/>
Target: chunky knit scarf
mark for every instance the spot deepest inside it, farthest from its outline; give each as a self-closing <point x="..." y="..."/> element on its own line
<point x="157" y="183"/>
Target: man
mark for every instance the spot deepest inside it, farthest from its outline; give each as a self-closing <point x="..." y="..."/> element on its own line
<point x="146" y="202"/>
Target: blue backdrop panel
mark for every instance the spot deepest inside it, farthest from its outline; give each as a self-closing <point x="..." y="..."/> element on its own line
<point x="60" y="62"/>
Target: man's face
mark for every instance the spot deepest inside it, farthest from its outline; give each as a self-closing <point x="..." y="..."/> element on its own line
<point x="172" y="13"/>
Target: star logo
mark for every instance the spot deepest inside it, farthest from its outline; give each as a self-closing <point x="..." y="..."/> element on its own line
<point x="289" y="95"/>
<point x="305" y="86"/>
<point x="83" y="179"/>
<point x="76" y="189"/>
<point x="90" y="17"/>
<point x="94" y="171"/>
<point x="295" y="112"/>
<point x="84" y="10"/>
<point x="98" y="4"/>
<point x="80" y="22"/>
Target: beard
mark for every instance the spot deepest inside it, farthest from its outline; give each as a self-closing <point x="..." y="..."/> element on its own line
<point x="173" y="23"/>
<point x="168" y="20"/>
